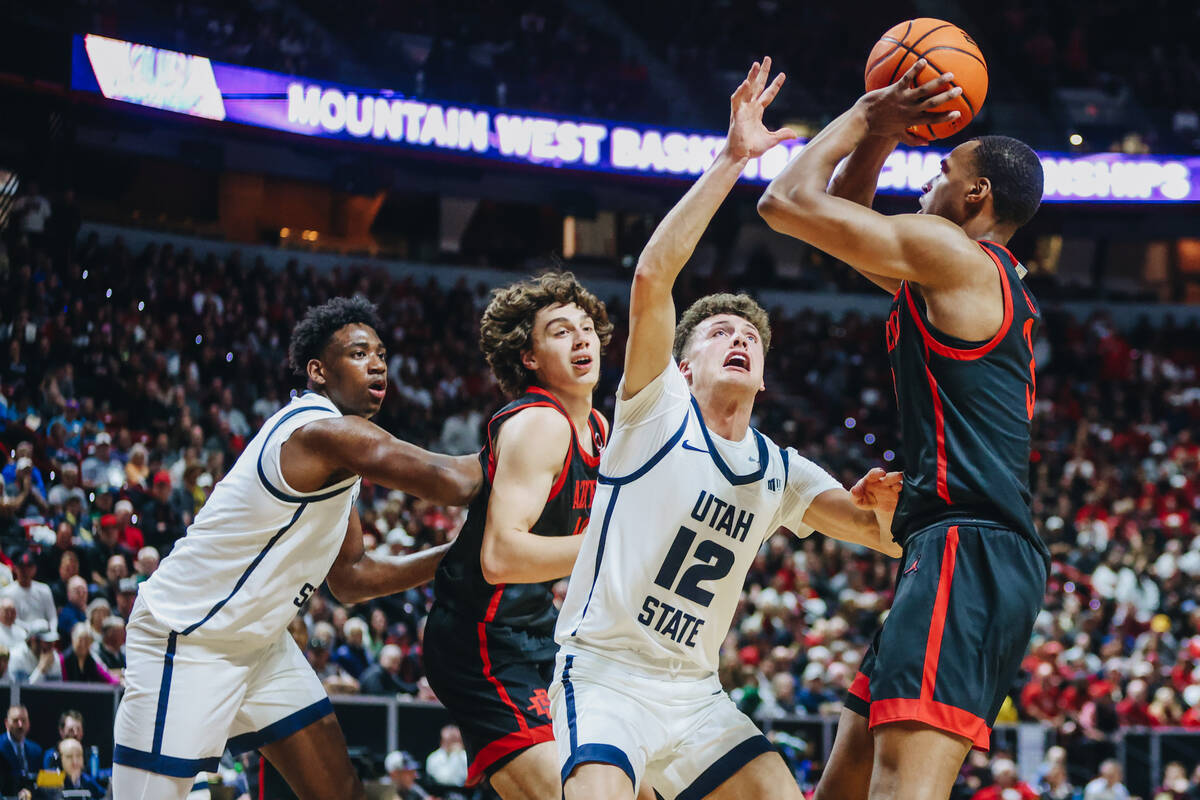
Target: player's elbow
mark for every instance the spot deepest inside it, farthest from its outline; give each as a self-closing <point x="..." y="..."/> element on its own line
<point x="494" y="563"/>
<point x="345" y="589"/>
<point x="779" y="212"/>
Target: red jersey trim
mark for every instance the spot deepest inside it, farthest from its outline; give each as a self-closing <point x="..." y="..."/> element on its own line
<point x="939" y="423"/>
<point x="518" y="740"/>
<point x="962" y="353"/>
<point x="501" y="415"/>
<point x="860" y="687"/>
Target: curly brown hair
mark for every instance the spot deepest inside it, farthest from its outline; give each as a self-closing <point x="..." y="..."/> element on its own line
<point x="506" y="330"/>
<point x="739" y="305"/>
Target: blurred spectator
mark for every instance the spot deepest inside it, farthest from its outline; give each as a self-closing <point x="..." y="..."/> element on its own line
<point x="159" y="519"/>
<point x="78" y="662"/>
<point x="131" y="536"/>
<point x="32" y="211"/>
<point x="1006" y="786"/>
<point x="109" y="650"/>
<point x="97" y="612"/>
<point x="383" y="677"/>
<point x="352" y="654"/>
<point x="103" y="469"/>
<point x="1175" y="784"/>
<point x="447" y="766"/>
<point x="24" y="460"/>
<point x="12" y="633"/>
<point x="20" y="758"/>
<point x="146" y="563"/>
<point x="127" y="589"/>
<point x="401" y="771"/>
<point x="32" y="598"/>
<point x="74" y="778"/>
<point x="335" y="679"/>
<point x="70" y="726"/>
<point x="75" y="610"/>
<point x="1107" y="785"/>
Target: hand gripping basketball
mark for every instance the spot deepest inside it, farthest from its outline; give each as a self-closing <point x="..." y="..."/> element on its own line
<point x="895" y="110"/>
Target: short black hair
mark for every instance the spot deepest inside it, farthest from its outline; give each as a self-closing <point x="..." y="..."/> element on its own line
<point x="1016" y="175"/>
<point x="312" y="334"/>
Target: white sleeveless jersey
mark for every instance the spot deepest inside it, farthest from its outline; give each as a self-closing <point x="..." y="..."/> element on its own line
<point x="678" y="516"/>
<point x="258" y="548"/>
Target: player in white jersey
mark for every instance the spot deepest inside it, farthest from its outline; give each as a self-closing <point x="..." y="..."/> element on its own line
<point x="210" y="660"/>
<point x="687" y="493"/>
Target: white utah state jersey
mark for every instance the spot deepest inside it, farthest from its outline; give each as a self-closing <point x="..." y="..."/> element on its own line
<point x="678" y="516"/>
<point x="258" y="547"/>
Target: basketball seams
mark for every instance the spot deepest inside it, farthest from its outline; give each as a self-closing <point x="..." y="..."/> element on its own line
<point x="912" y="47"/>
<point x="898" y="42"/>
<point x="938" y="69"/>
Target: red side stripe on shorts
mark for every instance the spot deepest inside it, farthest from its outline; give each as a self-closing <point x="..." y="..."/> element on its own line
<point x="492" y="679"/>
<point x="937" y="626"/>
<point x="511" y="743"/>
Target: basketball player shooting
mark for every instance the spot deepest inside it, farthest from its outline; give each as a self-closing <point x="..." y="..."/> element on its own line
<point x="210" y="660"/>
<point x="960" y="342"/>
<point x="687" y="493"/>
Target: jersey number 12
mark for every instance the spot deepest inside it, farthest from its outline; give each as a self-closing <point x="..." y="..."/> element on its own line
<point x="715" y="563"/>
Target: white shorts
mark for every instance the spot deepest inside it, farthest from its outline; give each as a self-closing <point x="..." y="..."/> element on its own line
<point x="683" y="737"/>
<point x="185" y="700"/>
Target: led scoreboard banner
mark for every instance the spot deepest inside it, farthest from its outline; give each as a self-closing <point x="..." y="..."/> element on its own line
<point x="196" y="86"/>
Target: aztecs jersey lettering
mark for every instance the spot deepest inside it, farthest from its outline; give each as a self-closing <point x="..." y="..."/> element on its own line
<point x="678" y="517"/>
<point x="966" y="410"/>
<point x="460" y="586"/>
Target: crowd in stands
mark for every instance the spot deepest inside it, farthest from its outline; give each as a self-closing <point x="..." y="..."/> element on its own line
<point x="132" y="380"/>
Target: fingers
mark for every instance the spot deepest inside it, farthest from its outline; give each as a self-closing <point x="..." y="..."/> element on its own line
<point x="760" y="80"/>
<point x="938" y="84"/>
<point x="769" y="93"/>
<point x="783" y="134"/>
<point x="909" y="78"/>
<point x="939" y="99"/>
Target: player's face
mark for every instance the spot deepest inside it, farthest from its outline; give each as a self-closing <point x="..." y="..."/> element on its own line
<point x="725" y="350"/>
<point x="566" y="350"/>
<point x="945" y="193"/>
<point x="354" y="369"/>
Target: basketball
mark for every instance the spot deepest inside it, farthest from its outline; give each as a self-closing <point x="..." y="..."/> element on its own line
<point x="945" y="48"/>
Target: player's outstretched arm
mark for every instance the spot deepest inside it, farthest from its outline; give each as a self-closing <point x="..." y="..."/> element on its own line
<point x="651" y="309"/>
<point x="357" y="576"/>
<point x="530" y="452"/>
<point x="862" y="515"/>
<point x="925" y="249"/>
<point x="330" y="450"/>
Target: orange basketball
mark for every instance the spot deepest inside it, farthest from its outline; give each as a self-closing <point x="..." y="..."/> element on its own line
<point x="945" y="48"/>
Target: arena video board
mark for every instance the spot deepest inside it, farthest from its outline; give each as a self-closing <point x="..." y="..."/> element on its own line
<point x="197" y="86"/>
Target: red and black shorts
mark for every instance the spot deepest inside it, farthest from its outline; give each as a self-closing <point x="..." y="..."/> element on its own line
<point x="948" y="653"/>
<point x="493" y="681"/>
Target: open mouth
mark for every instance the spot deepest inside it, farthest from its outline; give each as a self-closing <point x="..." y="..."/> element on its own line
<point x="377" y="389"/>
<point x="582" y="362"/>
<point x="736" y="360"/>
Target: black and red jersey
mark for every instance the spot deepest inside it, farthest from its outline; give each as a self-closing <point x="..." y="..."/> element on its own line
<point x="966" y="410"/>
<point x="459" y="585"/>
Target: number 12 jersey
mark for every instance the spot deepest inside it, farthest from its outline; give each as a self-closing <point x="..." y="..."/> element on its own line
<point x="678" y="517"/>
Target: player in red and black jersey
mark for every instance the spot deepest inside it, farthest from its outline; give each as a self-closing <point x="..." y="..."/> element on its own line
<point x="960" y="341"/>
<point x="489" y="641"/>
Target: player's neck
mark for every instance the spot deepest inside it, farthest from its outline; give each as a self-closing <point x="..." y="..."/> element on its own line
<point x="725" y="414"/>
<point x="577" y="405"/>
<point x="982" y="229"/>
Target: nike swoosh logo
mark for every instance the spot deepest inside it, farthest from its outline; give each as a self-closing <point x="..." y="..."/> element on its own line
<point x="689" y="446"/>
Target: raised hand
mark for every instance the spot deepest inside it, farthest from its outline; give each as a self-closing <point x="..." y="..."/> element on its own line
<point x="892" y="110"/>
<point x="748" y="136"/>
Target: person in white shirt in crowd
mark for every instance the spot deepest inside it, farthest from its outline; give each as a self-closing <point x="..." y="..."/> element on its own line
<point x="32" y="598"/>
<point x="37" y="660"/>
<point x="69" y="487"/>
<point x="447" y="766"/>
<point x="103" y="469"/>
<point x="1108" y="785"/>
<point x="33" y="211"/>
<point x="12" y="633"/>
